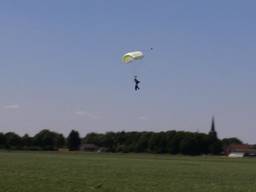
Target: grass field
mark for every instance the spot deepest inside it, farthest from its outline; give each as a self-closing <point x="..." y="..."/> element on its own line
<point x="66" y="172"/>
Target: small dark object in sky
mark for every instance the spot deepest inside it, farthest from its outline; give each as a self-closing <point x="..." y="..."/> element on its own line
<point x="136" y="83"/>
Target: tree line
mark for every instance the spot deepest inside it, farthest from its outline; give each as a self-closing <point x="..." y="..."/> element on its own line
<point x="172" y="142"/>
<point x="44" y="140"/>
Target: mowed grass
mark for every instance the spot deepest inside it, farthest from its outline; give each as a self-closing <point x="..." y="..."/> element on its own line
<point x="75" y="172"/>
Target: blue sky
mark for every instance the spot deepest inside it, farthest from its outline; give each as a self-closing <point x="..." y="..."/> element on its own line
<point x="60" y="66"/>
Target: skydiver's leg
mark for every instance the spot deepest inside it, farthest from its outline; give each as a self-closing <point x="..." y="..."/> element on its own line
<point x="136" y="87"/>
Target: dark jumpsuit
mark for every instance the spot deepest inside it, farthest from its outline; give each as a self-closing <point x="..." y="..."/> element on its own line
<point x="136" y="84"/>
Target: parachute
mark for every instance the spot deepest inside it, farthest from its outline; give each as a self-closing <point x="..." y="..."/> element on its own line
<point x="131" y="56"/>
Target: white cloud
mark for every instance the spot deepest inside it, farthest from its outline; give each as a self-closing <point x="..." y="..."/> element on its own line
<point x="87" y="114"/>
<point x="143" y="118"/>
<point x="13" y="106"/>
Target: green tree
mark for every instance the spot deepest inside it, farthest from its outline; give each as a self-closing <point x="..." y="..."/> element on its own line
<point x="46" y="140"/>
<point x="2" y="141"/>
<point x="26" y="141"/>
<point x="94" y="138"/>
<point x="169" y="141"/>
<point x="13" y="141"/>
<point x="203" y="142"/>
<point x="189" y="145"/>
<point x="73" y="140"/>
<point x="228" y="141"/>
<point x="142" y="143"/>
<point x="215" y="148"/>
<point x="61" y="141"/>
<point x="174" y="143"/>
<point x="130" y="142"/>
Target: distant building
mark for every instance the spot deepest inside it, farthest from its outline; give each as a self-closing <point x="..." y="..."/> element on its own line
<point x="236" y="155"/>
<point x="240" y="150"/>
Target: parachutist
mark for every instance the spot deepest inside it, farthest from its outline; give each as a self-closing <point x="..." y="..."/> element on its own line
<point x="130" y="58"/>
<point x="136" y="83"/>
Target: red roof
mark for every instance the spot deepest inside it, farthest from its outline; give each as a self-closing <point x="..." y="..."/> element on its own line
<point x="239" y="148"/>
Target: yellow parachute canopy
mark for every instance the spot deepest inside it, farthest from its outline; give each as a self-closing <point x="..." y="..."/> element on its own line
<point x="131" y="56"/>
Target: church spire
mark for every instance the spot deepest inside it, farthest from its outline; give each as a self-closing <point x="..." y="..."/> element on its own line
<point x="213" y="124"/>
<point x="213" y="132"/>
